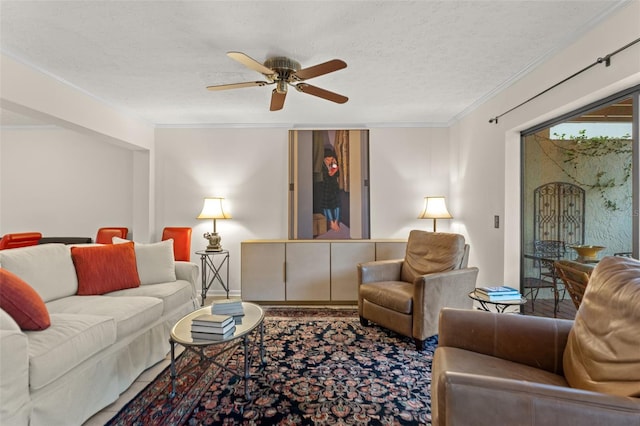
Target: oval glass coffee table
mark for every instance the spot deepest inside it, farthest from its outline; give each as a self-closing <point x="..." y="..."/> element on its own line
<point x="244" y="335"/>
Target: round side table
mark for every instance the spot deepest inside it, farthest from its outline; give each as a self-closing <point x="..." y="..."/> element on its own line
<point x="499" y="306"/>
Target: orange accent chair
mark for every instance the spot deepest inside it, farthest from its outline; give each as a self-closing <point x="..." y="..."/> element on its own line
<point x="181" y="242"/>
<point x="23" y="239"/>
<point x="105" y="235"/>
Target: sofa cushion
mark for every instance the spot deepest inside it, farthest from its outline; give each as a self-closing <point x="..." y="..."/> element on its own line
<point x="173" y="295"/>
<point x="458" y="360"/>
<point x="155" y="261"/>
<point x="47" y="268"/>
<point x="394" y="295"/>
<point x="603" y="350"/>
<point x="430" y="252"/>
<point x="22" y="302"/>
<point x="130" y="313"/>
<point x="106" y="268"/>
<point x="69" y="341"/>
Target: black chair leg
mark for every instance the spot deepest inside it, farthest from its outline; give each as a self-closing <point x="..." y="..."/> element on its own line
<point x="534" y="295"/>
<point x="419" y="344"/>
<point x="364" y="322"/>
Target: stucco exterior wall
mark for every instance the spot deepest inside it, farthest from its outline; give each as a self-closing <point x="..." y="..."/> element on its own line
<point x="545" y="161"/>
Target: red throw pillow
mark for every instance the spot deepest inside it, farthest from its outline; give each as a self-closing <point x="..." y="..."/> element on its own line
<point x="102" y="269"/>
<point x="22" y="302"/>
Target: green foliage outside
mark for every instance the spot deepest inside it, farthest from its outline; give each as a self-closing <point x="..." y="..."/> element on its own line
<point x="584" y="160"/>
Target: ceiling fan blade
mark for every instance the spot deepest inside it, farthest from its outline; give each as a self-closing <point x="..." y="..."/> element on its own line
<point x="249" y="62"/>
<point x="238" y="85"/>
<point x="320" y="69"/>
<point x="321" y="93"/>
<point x="277" y="100"/>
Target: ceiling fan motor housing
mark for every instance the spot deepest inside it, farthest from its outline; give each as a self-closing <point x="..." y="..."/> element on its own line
<point x="285" y="68"/>
<point x="282" y="64"/>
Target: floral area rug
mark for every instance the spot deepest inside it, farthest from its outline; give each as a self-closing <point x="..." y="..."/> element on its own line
<point x="322" y="368"/>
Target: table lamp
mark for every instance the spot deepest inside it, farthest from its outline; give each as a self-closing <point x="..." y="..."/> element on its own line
<point x="213" y="209"/>
<point x="435" y="208"/>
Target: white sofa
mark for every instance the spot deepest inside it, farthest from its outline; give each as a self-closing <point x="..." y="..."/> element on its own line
<point x="96" y="345"/>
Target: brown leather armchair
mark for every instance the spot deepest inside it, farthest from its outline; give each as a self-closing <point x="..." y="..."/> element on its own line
<point x="492" y="368"/>
<point x="406" y="295"/>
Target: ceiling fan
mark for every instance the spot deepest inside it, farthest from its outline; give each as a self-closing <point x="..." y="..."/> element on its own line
<point x="284" y="72"/>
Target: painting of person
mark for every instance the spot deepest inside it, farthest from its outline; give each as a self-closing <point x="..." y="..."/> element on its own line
<point x="329" y="187"/>
<point x="331" y="201"/>
<point x="330" y="191"/>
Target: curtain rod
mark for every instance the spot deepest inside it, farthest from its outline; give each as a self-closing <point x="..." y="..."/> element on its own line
<point x="606" y="60"/>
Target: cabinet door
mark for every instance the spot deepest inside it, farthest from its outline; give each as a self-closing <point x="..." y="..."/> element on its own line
<point x="390" y="250"/>
<point x="308" y="271"/>
<point x="262" y="271"/>
<point x="344" y="273"/>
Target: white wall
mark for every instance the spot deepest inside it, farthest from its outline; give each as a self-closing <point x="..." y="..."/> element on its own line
<point x="62" y="184"/>
<point x="249" y="167"/>
<point x="407" y="165"/>
<point x="488" y="155"/>
<point x="30" y="92"/>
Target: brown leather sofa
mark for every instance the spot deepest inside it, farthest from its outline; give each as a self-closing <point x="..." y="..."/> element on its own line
<point x="406" y="295"/>
<point x="501" y="369"/>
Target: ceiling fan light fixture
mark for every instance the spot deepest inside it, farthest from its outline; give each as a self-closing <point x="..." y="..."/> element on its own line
<point x="281" y="86"/>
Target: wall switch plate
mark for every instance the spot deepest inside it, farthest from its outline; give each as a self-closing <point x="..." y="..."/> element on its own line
<point x="496" y="221"/>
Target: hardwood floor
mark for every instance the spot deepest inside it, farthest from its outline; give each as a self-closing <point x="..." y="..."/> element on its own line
<point x="544" y="308"/>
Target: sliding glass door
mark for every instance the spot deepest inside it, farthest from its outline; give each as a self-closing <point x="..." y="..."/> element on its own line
<point x="580" y="183"/>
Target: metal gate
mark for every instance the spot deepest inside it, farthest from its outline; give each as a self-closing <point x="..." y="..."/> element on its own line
<point x="559" y="213"/>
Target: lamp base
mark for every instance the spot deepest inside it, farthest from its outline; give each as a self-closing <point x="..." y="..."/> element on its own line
<point x="214" y="241"/>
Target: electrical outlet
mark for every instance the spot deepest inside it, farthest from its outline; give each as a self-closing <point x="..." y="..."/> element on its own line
<point x="496" y="221"/>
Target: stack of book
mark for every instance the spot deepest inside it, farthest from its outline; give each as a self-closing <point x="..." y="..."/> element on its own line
<point x="232" y="307"/>
<point x="499" y="294"/>
<point x="212" y="327"/>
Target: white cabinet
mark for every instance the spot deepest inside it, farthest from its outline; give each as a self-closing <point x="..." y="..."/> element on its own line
<point x="388" y="250"/>
<point x="308" y="274"/>
<point x="344" y="274"/>
<point x="262" y="271"/>
<point x="309" y="270"/>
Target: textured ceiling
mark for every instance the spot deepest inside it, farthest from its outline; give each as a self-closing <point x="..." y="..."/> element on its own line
<point x="409" y="62"/>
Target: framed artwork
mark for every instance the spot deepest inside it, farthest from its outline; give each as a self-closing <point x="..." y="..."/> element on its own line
<point x="329" y="184"/>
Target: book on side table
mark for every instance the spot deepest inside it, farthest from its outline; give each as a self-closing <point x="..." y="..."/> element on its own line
<point x="212" y="336"/>
<point x="499" y="294"/>
<point x="212" y="327"/>
<point x="231" y="307"/>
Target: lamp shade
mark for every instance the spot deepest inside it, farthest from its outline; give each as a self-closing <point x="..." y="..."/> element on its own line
<point x="435" y="208"/>
<point x="213" y="209"/>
